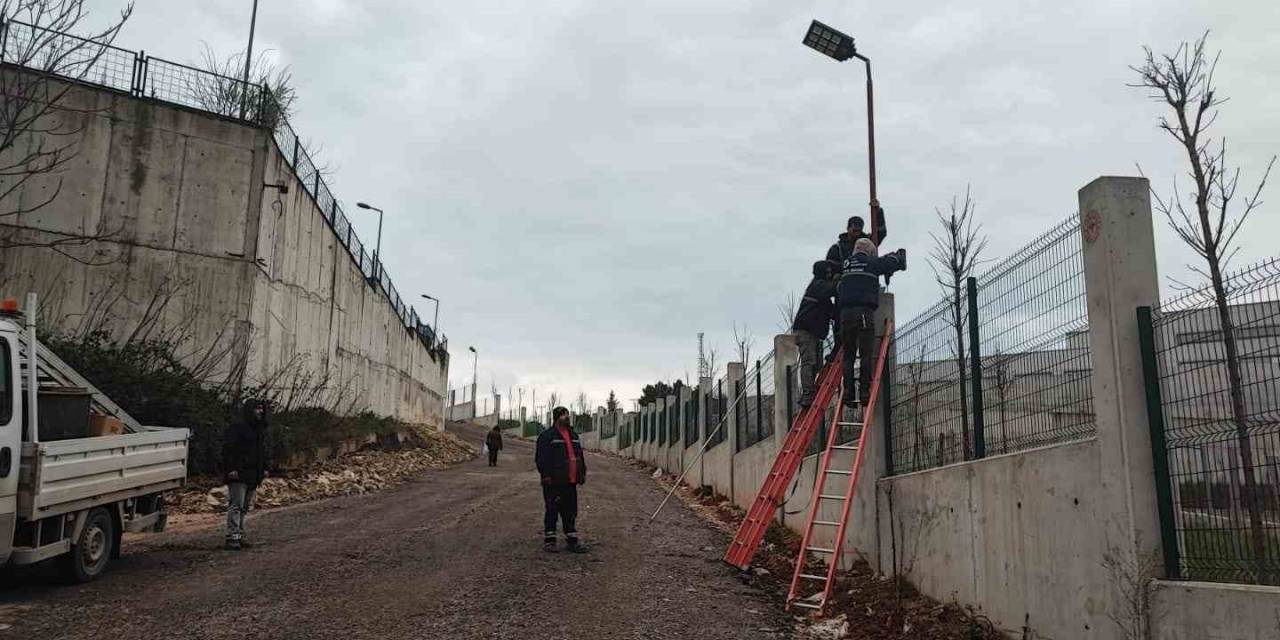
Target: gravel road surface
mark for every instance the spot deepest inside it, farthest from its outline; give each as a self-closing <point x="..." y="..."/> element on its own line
<point x="455" y="554"/>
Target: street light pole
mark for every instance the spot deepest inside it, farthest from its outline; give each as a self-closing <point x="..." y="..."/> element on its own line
<point x="435" y="322"/>
<point x="377" y="249"/>
<point x="248" y="60"/>
<point x="839" y="46"/>
<point x="871" y="151"/>
<point x="475" y="359"/>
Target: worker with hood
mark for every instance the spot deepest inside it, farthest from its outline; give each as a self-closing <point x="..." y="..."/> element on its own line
<point x="812" y="322"/>
<point x="858" y="297"/>
<point x="244" y="461"/>
<point x="493" y="442"/>
<point x="563" y="468"/>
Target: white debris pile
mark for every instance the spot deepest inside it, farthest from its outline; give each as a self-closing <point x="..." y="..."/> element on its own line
<point x="829" y="629"/>
<point x="355" y="473"/>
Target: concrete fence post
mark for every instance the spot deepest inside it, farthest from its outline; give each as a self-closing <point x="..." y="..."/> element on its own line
<point x="1121" y="275"/>
<point x="682" y="404"/>
<point x="735" y="373"/>
<point x="785" y="354"/>
<point x="863" y="534"/>
<point x="705" y="386"/>
<point x="671" y="455"/>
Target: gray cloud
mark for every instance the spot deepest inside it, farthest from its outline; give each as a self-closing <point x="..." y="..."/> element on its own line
<point x="586" y="185"/>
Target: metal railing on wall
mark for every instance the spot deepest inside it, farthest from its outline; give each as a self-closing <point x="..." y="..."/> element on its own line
<point x="1007" y="369"/>
<point x="1213" y="384"/>
<point x="692" y="405"/>
<point x="755" y="411"/>
<point x="717" y="408"/>
<point x="72" y="58"/>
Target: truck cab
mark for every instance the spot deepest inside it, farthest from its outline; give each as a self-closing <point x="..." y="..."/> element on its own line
<point x="10" y="430"/>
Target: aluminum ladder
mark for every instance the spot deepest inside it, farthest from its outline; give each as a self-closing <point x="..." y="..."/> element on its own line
<point x="747" y="539"/>
<point x="817" y="601"/>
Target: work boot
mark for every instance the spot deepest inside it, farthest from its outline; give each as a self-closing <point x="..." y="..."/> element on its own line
<point x="550" y="546"/>
<point x="576" y="547"/>
<point x="805" y="403"/>
<point x="245" y="544"/>
<point x="231" y="545"/>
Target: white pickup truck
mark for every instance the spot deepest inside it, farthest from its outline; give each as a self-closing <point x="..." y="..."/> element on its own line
<point x="71" y="499"/>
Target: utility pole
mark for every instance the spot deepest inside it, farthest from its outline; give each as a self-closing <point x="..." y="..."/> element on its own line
<point x="248" y="61"/>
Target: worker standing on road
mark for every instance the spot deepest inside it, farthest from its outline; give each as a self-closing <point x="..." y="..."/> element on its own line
<point x="244" y="461"/>
<point x="493" y="442"/>
<point x="858" y="296"/>
<point x="813" y="320"/>
<point x="562" y="467"/>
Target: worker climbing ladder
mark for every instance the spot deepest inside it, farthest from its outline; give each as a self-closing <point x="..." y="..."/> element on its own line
<point x="835" y="463"/>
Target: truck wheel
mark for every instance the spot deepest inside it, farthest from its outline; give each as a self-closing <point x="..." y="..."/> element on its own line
<point x="90" y="554"/>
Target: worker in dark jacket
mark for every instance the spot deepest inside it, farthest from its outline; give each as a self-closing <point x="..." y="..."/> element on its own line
<point x="493" y="441"/>
<point x="858" y="295"/>
<point x="244" y="461"/>
<point x="562" y="467"/>
<point x="843" y="248"/>
<point x="813" y="320"/>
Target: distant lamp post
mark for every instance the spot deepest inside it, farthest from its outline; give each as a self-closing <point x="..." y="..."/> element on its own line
<point x="839" y="46"/>
<point x="435" y="323"/>
<point x="475" y="358"/>
<point x="377" y="249"/>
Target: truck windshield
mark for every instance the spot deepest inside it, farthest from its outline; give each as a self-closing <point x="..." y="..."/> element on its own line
<point x="6" y="388"/>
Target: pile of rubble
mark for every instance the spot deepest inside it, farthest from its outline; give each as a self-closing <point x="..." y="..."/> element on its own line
<point x="356" y="473"/>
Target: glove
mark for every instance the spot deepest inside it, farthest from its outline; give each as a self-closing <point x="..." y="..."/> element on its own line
<point x="902" y="259"/>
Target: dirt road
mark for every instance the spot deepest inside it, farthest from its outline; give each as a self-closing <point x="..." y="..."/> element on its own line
<point x="453" y="555"/>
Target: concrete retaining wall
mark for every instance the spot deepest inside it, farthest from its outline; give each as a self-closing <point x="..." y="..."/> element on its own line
<point x="184" y="231"/>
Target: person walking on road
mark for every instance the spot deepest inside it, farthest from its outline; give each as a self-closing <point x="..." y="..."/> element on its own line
<point x="858" y="295"/>
<point x="563" y="468"/>
<point x="813" y="321"/>
<point x="493" y="442"/>
<point x="244" y="461"/>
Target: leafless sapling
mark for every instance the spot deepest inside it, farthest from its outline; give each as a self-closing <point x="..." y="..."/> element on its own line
<point x="955" y="254"/>
<point x="1183" y="82"/>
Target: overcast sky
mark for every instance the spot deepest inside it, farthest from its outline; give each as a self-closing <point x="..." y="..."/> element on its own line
<point x="588" y="184"/>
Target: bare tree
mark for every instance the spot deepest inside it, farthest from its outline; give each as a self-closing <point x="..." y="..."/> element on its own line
<point x="955" y="254"/>
<point x="39" y="133"/>
<point x="712" y="355"/>
<point x="584" y="403"/>
<point x="743" y="341"/>
<point x="787" y="312"/>
<point x="1183" y="82"/>
<point x="224" y="91"/>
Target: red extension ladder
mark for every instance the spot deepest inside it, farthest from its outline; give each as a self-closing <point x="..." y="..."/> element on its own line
<point x="747" y="540"/>
<point x="817" y="601"/>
